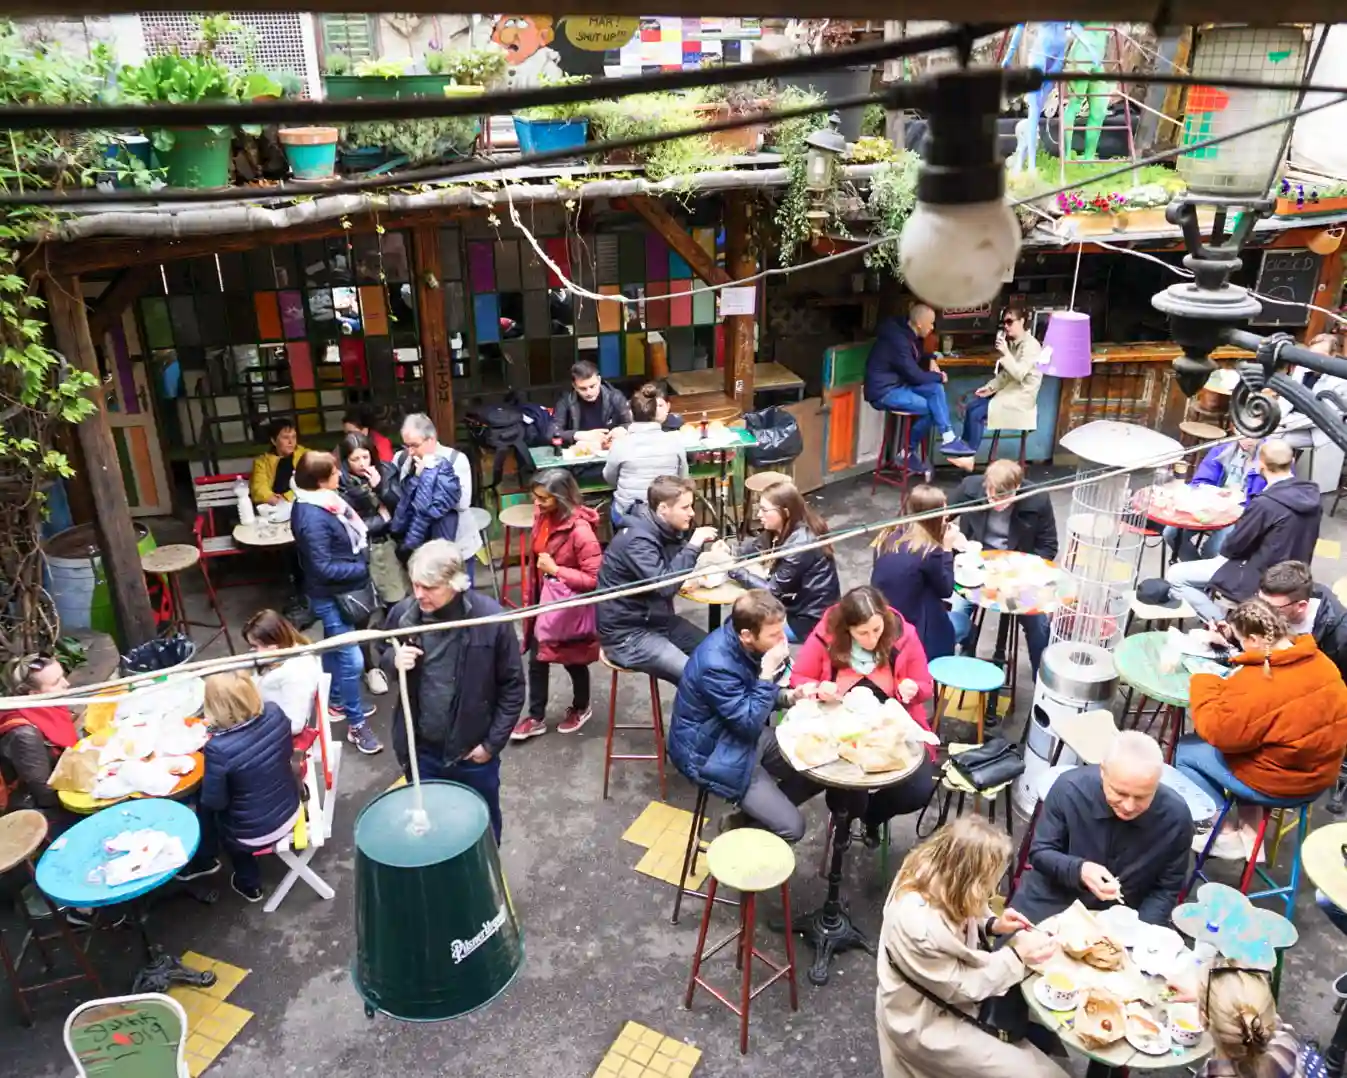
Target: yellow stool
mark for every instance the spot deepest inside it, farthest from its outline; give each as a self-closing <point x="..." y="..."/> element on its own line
<point x="751" y="861"/>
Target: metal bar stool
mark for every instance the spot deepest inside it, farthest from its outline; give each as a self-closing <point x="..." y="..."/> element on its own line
<point x="1269" y="806"/>
<point x="515" y="518"/>
<point x="1022" y="435"/>
<point x="656" y="726"/>
<point x="891" y="466"/>
<point x="480" y="520"/>
<point x="965" y="674"/>
<point x="21" y="834"/>
<point x="694" y="847"/>
<point x="751" y="861"/>
<point x="168" y="563"/>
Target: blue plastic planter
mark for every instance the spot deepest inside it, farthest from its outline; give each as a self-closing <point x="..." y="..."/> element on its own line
<point x="311" y="151"/>
<point x="543" y="136"/>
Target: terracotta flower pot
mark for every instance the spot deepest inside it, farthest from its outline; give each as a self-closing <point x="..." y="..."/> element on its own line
<point x="740" y="140"/>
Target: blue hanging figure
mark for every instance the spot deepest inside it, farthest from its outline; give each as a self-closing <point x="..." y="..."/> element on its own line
<point x="1047" y="52"/>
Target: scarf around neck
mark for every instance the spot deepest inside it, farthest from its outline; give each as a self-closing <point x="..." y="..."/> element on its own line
<point x="332" y="502"/>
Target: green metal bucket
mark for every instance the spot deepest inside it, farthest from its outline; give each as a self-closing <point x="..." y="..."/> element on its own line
<point x="436" y="932"/>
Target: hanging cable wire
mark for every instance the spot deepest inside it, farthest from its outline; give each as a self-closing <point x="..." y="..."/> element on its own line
<point x="204" y="667"/>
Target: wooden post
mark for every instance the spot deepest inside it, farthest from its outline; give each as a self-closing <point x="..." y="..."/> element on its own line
<point x="739" y="260"/>
<point x="116" y="532"/>
<point x="691" y="252"/>
<point x="435" y="355"/>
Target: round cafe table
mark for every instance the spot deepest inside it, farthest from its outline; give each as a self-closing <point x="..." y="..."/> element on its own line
<point x="83" y="804"/>
<point x="829" y="929"/>
<point x="714" y="599"/>
<point x="264" y="534"/>
<point x="66" y="873"/>
<point x="1178" y="517"/>
<point x="1108" y="1061"/>
<point x="1137" y="659"/>
<point x="1324" y="859"/>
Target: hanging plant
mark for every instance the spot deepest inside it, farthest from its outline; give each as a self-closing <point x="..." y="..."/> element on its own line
<point x="794" y="226"/>
<point x="892" y="198"/>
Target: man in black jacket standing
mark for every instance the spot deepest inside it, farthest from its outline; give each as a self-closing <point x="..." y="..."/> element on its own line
<point x="465" y="686"/>
<point x="590" y="405"/>
<point x="642" y="632"/>
<point x="1280" y="524"/>
<point x="1028" y="525"/>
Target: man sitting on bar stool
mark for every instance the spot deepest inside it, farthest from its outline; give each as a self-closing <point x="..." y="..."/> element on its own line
<point x="720" y="736"/>
<point x="1107" y="834"/>
<point x="1281" y="524"/>
<point x="901" y="377"/>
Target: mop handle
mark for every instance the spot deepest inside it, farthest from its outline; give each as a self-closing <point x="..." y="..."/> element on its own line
<point x="419" y="812"/>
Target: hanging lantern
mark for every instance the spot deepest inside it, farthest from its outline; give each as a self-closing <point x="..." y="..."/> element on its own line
<point x="1241" y="167"/>
<point x="436" y="932"/>
<point x="826" y="147"/>
<point x="1068" y="344"/>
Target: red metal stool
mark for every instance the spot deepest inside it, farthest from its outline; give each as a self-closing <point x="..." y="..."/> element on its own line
<point x="891" y="465"/>
<point x="515" y="518"/>
<point x="1022" y="435"/>
<point x="21" y="833"/>
<point x="167" y="563"/>
<point x="751" y="861"/>
<point x="694" y="847"/>
<point x="656" y="726"/>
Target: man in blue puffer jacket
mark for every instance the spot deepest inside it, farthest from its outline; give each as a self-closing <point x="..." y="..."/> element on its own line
<point x="719" y="737"/>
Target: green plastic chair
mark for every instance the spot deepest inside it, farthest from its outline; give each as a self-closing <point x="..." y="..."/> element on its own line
<point x="140" y="1036"/>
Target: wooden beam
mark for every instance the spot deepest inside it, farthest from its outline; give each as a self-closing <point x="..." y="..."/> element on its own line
<point x="435" y="355"/>
<point x="116" y="533"/>
<point x="688" y="249"/>
<point x="125" y="290"/>
<point x="739" y="259"/>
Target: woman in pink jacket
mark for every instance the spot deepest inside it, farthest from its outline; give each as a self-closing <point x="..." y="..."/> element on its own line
<point x="861" y="642"/>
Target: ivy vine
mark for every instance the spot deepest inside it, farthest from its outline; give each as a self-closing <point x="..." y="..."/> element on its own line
<point x="39" y="391"/>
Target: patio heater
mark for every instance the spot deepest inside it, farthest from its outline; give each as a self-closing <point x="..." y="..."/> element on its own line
<point x="1105" y="531"/>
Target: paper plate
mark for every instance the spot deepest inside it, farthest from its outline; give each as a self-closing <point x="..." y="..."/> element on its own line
<point x="1159" y="1045"/>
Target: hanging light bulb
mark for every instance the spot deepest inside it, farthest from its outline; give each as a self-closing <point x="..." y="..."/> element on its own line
<point x="962" y="240"/>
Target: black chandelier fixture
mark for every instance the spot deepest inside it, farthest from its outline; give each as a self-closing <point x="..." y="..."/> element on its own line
<point x="1209" y="311"/>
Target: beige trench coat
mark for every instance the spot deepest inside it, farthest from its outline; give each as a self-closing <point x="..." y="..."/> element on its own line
<point x="1014" y="404"/>
<point x="917" y="1038"/>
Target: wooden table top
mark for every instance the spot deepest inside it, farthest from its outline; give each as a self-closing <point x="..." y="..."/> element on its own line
<point x="721" y="595"/>
<point x="765" y="376"/>
<point x="1138" y="661"/>
<point x="1325" y="863"/>
<point x="717" y="406"/>
<point x="21" y="833"/>
<point x="260" y="534"/>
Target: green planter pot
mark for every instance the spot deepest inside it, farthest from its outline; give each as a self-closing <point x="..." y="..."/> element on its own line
<point x="378" y="88"/>
<point x="199" y="158"/>
<point x="436" y="935"/>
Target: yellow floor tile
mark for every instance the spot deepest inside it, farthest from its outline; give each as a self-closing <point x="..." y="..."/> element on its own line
<point x="641" y="1052"/>
<point x="402" y="781"/>
<point x="227" y="977"/>
<point x="654" y="820"/>
<point x="972" y="703"/>
<point x="1328" y="548"/>
<point x="665" y="862"/>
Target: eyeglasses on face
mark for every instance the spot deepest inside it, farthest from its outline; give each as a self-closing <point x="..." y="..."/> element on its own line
<point x="1009" y="321"/>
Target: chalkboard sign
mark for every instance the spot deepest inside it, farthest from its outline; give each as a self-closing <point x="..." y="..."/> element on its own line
<point x="983" y="319"/>
<point x="1289" y="274"/>
<point x="128" y="1037"/>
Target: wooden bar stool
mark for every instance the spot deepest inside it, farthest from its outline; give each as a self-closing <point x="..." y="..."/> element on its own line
<point x="168" y="563"/>
<point x="754" y="485"/>
<point x="1022" y="435"/>
<point x="891" y="466"/>
<point x="21" y="834"/>
<point x="964" y="674"/>
<point x="515" y="518"/>
<point x="751" y="861"/>
<point x="480" y="520"/>
<point x="656" y="726"/>
<point x="1191" y="432"/>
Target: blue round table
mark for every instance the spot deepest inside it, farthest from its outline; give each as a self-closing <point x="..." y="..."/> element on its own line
<point x="65" y="870"/>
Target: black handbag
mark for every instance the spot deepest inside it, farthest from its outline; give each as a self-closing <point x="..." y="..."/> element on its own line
<point x="358" y="606"/>
<point x="995" y="762"/>
<point x="1004" y="1017"/>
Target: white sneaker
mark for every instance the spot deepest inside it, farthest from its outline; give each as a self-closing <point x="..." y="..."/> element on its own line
<point x="1227" y="847"/>
<point x="377" y="682"/>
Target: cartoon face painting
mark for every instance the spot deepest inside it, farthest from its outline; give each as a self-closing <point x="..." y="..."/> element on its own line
<point x="522" y="35"/>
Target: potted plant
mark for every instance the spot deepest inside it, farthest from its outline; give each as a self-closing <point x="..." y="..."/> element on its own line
<point x="646" y="114"/>
<point x="484" y="67"/>
<point x="814" y="37"/>
<point x="311" y="151"/>
<point x="724" y="102"/>
<point x="543" y="128"/>
<point x="417" y="141"/>
<point x="191" y="156"/>
<point x="1296" y="198"/>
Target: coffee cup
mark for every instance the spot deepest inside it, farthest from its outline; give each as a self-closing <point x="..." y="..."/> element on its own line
<point x="1060" y="990"/>
<point x="1184" y="1027"/>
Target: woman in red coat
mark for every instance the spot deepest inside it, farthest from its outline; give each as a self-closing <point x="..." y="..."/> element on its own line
<point x="566" y="557"/>
<point x="863" y="643"/>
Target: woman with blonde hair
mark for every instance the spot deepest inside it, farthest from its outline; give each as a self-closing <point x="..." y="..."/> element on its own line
<point x="938" y="964"/>
<point x="1250" y="1041"/>
<point x="249" y="795"/>
<point x="915" y="572"/>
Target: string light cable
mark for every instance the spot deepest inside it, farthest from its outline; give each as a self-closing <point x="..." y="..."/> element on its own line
<point x="86" y="694"/>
